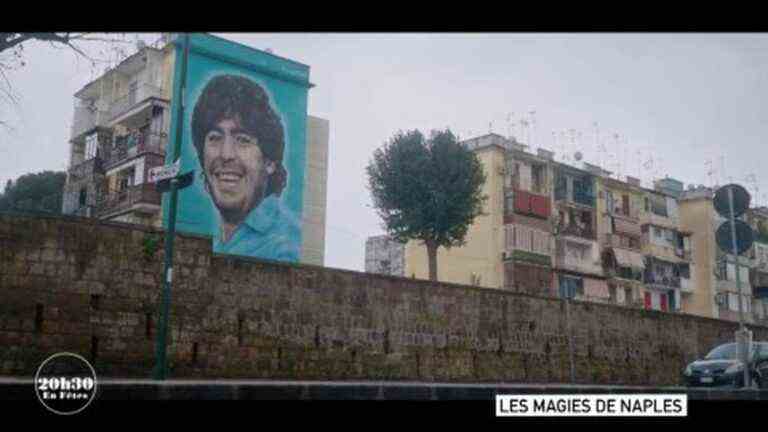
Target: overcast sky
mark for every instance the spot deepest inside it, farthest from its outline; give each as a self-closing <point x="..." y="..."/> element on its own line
<point x="676" y="101"/>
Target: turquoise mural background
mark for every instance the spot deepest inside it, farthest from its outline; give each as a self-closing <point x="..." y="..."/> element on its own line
<point x="287" y="84"/>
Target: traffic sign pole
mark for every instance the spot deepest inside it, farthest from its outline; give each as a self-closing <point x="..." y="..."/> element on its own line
<point x="161" y="367"/>
<point x="742" y="341"/>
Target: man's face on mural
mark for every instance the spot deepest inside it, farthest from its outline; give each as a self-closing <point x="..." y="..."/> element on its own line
<point x="235" y="167"/>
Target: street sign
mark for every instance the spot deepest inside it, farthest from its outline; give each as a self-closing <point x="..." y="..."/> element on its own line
<point x="163" y="172"/>
<point x="744" y="237"/>
<point x="741" y="200"/>
<point x="183" y="181"/>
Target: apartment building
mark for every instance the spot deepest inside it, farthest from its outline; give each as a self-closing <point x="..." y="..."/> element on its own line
<point x="578" y="270"/>
<point x="667" y="248"/>
<point x="551" y="228"/>
<point x="716" y="294"/>
<point x="619" y="206"/>
<point x="120" y="131"/>
<point x="528" y="242"/>
<point x="479" y="261"/>
<point x="758" y="272"/>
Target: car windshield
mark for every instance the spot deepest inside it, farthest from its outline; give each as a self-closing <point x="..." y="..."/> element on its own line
<point x="726" y="352"/>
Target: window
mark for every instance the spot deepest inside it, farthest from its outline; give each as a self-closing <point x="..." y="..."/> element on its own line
<point x="83" y="196"/>
<point x="685" y="271"/>
<point x="91" y="144"/>
<point x="510" y="204"/>
<point x="633" y="243"/>
<point x="733" y="302"/>
<point x="126" y="179"/>
<point x="625" y="204"/>
<point x="628" y="295"/>
<point x="659" y="205"/>
<point x="537" y="178"/>
<point x="612" y="293"/>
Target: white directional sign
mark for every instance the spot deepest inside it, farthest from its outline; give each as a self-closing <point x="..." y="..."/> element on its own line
<point x="163" y="172"/>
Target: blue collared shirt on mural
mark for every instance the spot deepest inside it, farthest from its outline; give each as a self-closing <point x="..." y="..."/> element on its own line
<point x="269" y="231"/>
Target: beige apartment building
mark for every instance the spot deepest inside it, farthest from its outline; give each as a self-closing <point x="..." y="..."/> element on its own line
<point x="551" y="228"/>
<point x="716" y="294"/>
<point x="120" y="130"/>
<point x="479" y="261"/>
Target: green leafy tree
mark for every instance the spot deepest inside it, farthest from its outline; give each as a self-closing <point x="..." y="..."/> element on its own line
<point x="36" y="192"/>
<point x="427" y="189"/>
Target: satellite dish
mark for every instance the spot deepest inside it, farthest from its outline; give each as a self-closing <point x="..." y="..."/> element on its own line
<point x="578" y="156"/>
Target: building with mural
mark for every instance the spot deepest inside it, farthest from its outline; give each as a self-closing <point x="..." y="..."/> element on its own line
<point x="121" y="129"/>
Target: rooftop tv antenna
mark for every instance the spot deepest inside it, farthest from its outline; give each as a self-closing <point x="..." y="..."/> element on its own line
<point x="524" y="132"/>
<point x="510" y="127"/>
<point x="710" y="171"/>
<point x="532" y="139"/>
<point x="572" y="136"/>
<point x="564" y="153"/>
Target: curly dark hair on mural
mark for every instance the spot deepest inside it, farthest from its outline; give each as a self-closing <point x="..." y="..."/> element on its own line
<point x="237" y="97"/>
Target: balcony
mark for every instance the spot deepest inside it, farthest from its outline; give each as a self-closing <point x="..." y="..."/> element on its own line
<point x="578" y="265"/>
<point x="616" y="241"/>
<point x="758" y="278"/>
<point x="141" y="198"/>
<point x="132" y="145"/>
<point x="686" y="286"/>
<point x="651" y="218"/>
<point x="683" y="254"/>
<point x="573" y="230"/>
<point x="86" y="118"/>
<point x="653" y="280"/>
<point x="86" y="169"/>
<point x="133" y="100"/>
<point x="530" y="204"/>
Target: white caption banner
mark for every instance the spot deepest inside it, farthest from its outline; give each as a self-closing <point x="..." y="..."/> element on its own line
<point x="592" y="405"/>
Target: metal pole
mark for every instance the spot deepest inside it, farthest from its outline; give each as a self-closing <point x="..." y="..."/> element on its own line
<point x="161" y="367"/>
<point x="570" y="337"/>
<point x="742" y="344"/>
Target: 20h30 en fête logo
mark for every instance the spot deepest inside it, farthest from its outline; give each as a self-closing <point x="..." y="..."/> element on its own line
<point x="65" y="383"/>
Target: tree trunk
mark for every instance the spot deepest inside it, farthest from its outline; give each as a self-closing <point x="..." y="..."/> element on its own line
<point x="432" y="255"/>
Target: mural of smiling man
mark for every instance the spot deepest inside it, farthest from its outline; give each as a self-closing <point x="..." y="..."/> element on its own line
<point x="240" y="141"/>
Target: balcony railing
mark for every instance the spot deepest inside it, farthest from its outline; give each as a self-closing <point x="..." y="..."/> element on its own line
<point x="86" y="118"/>
<point x="684" y="254"/>
<point x="86" y="169"/>
<point x="613" y="241"/>
<point x="578" y="265"/>
<point x="128" y="198"/>
<point x="651" y="278"/>
<point x="686" y="285"/>
<point x="578" y="231"/>
<point x="132" y="145"/>
<point x="135" y="96"/>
